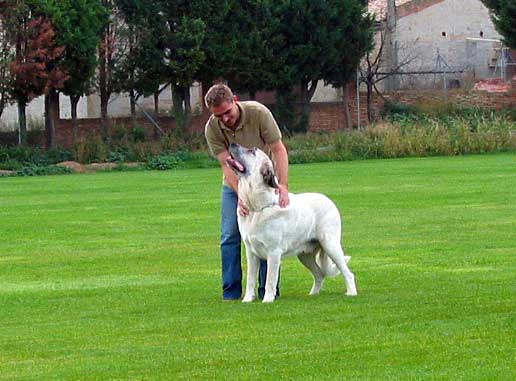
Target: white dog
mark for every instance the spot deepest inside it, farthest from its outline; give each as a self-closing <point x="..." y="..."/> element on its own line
<point x="310" y="227"/>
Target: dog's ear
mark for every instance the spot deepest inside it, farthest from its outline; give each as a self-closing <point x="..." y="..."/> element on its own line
<point x="268" y="175"/>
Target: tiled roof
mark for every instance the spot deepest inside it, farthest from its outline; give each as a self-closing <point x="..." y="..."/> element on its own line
<point x="379" y="7"/>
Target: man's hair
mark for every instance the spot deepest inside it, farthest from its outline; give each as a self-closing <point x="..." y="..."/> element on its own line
<point x="217" y="94"/>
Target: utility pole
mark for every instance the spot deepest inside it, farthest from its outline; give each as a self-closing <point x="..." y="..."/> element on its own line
<point x="392" y="46"/>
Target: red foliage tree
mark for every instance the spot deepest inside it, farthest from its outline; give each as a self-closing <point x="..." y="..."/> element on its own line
<point x="35" y="69"/>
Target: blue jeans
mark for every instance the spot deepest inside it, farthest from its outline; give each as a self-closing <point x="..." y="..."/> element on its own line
<point x="230" y="249"/>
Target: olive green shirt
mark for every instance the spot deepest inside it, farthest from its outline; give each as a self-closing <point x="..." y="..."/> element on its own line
<point x="257" y="128"/>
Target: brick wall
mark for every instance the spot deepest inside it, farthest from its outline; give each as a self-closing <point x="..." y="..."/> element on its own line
<point x="324" y="116"/>
<point x="90" y="127"/>
<point x="457" y="97"/>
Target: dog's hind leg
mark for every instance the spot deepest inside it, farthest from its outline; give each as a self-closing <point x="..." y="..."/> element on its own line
<point x="334" y="250"/>
<point x="253" y="263"/>
<point x="308" y="260"/>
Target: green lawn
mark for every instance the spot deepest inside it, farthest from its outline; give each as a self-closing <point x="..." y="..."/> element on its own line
<point x="115" y="276"/>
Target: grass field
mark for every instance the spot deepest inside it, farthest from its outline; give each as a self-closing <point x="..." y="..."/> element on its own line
<point x="115" y="276"/>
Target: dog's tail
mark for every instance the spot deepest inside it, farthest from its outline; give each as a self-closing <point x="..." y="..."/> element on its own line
<point x="328" y="267"/>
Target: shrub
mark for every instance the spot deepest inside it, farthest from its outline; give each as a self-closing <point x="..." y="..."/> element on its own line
<point x="38" y="170"/>
<point x="163" y="162"/>
<point x="91" y="149"/>
<point x="10" y="165"/>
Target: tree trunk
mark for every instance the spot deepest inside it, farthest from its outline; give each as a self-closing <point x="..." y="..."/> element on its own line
<point x="74" y="100"/>
<point x="306" y="97"/>
<point x="284" y="110"/>
<point x="132" y="100"/>
<point x="181" y="105"/>
<point x="156" y="103"/>
<point x="177" y="100"/>
<point x="103" y="87"/>
<point x="51" y="107"/>
<point x="369" y="101"/>
<point x="345" y="100"/>
<point x="22" y="123"/>
<point x="104" y="121"/>
<point x="186" y="99"/>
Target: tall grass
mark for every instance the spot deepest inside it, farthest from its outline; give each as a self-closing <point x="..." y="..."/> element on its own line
<point x="411" y="135"/>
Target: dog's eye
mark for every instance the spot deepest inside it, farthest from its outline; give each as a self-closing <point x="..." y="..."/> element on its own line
<point x="252" y="150"/>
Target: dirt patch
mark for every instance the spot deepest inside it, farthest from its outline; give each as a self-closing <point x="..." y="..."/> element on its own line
<point x="74" y="166"/>
<point x="6" y="173"/>
<point x="94" y="167"/>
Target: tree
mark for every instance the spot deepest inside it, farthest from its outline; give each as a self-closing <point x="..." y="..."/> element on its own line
<point x="79" y="31"/>
<point x="35" y="68"/>
<point x="503" y="14"/>
<point x="141" y="68"/>
<point x="108" y="56"/>
<point x="182" y="43"/>
<point x="78" y="24"/>
<point x="300" y="54"/>
<point x="374" y="70"/>
<point x="6" y="56"/>
<point x="218" y="46"/>
<point x="252" y="37"/>
<point x="351" y="32"/>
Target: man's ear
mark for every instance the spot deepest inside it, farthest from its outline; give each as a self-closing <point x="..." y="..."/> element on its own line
<point x="268" y="175"/>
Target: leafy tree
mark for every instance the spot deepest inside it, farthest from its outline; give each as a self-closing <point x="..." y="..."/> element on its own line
<point x="80" y="33"/>
<point x="6" y="56"/>
<point x="108" y="56"/>
<point x="217" y="46"/>
<point x="317" y="40"/>
<point x="182" y="44"/>
<point x="165" y="45"/>
<point x="248" y="44"/>
<point x="350" y="29"/>
<point x="503" y="14"/>
<point x="35" y="69"/>
<point x="78" y="25"/>
<point x="141" y="69"/>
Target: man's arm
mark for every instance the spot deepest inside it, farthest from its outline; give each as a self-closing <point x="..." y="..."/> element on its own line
<point x="229" y="175"/>
<point x="281" y="159"/>
<point x="231" y="180"/>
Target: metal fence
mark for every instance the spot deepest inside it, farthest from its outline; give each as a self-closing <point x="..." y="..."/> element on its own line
<point x="454" y="64"/>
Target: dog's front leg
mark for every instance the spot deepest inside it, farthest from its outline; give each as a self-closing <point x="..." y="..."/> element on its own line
<point x="271" y="283"/>
<point x="253" y="263"/>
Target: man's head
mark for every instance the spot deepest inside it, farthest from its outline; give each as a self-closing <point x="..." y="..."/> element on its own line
<point x="222" y="103"/>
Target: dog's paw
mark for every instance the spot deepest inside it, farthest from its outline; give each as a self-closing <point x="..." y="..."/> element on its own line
<point x="351" y="292"/>
<point x="248" y="299"/>
<point x="268" y="298"/>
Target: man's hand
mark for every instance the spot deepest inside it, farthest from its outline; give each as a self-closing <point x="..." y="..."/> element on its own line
<point x="243" y="210"/>
<point x="283" y="195"/>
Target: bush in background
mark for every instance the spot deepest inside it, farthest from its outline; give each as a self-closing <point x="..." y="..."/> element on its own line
<point x="405" y="131"/>
<point x="38" y="170"/>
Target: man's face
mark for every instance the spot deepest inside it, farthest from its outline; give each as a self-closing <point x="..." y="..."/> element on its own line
<point x="227" y="112"/>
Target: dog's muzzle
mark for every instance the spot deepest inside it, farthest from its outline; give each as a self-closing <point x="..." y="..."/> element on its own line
<point x="235" y="164"/>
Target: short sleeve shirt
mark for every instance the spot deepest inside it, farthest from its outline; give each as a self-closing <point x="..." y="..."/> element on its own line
<point x="257" y="128"/>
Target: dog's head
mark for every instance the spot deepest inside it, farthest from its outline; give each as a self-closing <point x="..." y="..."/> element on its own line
<point x="251" y="163"/>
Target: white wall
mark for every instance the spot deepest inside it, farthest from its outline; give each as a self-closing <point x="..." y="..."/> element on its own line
<point x="420" y="36"/>
<point x="89" y="107"/>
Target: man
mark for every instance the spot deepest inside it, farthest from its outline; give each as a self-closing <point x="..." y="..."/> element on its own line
<point x="249" y="124"/>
